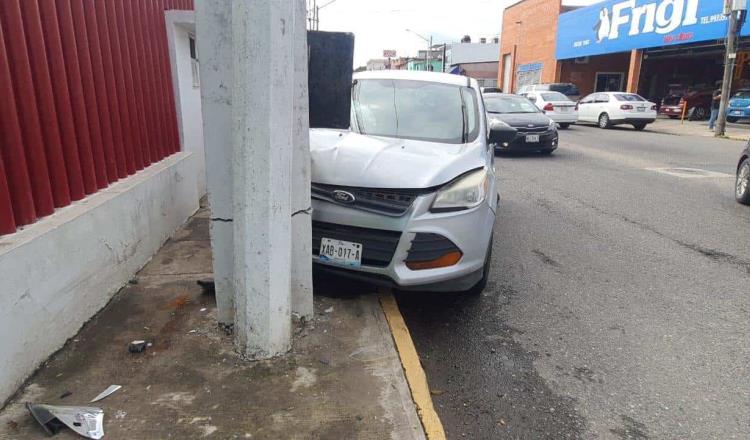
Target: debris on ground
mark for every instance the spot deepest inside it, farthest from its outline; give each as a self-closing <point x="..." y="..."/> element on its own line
<point x="65" y="394"/>
<point x="110" y="389"/>
<point x="137" y="346"/>
<point x="86" y="421"/>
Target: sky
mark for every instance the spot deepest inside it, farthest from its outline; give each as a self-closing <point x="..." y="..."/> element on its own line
<point x="381" y="24"/>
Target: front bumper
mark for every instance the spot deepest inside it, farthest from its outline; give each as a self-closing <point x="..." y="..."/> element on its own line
<point x="738" y="112"/>
<point x="547" y="141"/>
<point x="469" y="230"/>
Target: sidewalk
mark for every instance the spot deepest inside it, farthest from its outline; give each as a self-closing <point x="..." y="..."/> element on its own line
<point x="737" y="131"/>
<point x="342" y="380"/>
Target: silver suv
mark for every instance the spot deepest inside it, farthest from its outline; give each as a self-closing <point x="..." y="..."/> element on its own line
<point x="407" y="196"/>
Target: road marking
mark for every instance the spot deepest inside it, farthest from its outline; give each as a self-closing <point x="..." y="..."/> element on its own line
<point x="415" y="375"/>
<point x="691" y="173"/>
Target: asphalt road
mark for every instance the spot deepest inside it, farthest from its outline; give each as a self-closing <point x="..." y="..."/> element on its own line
<point x="619" y="306"/>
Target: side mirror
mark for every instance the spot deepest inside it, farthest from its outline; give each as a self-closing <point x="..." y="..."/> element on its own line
<point x="500" y="132"/>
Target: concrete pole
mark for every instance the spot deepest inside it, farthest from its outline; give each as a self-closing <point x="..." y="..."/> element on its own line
<point x="726" y="85"/>
<point x="302" y="289"/>
<point x="262" y="99"/>
<point x="213" y="20"/>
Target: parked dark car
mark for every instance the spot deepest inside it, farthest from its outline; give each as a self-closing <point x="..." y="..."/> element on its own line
<point x="534" y="130"/>
<point x="698" y="105"/>
<point x="742" y="186"/>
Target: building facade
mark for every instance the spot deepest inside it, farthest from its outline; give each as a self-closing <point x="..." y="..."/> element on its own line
<point x="101" y="159"/>
<point x="648" y="47"/>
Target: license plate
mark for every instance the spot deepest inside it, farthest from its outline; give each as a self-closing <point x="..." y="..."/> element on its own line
<point x="343" y="253"/>
<point x="736" y="112"/>
<point x="531" y="138"/>
<point x="641" y="109"/>
<point x="563" y="109"/>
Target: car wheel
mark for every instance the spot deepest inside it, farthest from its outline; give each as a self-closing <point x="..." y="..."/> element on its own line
<point x="742" y="188"/>
<point x="564" y="126"/>
<point x="481" y="284"/>
<point x="604" y="121"/>
<point x="639" y="127"/>
<point x="700" y="113"/>
<point x="729" y="119"/>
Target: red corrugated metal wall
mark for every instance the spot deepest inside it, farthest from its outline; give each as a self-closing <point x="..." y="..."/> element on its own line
<point x="86" y="99"/>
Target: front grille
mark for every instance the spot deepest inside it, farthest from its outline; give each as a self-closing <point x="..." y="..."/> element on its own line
<point x="378" y="246"/>
<point x="428" y="247"/>
<point x="525" y="130"/>
<point x="392" y="202"/>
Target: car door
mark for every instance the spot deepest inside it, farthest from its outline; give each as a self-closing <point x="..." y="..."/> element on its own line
<point x="601" y="104"/>
<point x="584" y="108"/>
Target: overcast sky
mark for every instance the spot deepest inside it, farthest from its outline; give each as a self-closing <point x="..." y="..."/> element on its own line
<point x="382" y="24"/>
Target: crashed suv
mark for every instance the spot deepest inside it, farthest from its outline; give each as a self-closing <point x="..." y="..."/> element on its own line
<point x="407" y="196"/>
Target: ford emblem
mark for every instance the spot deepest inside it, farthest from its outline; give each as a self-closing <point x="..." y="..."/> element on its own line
<point x="531" y="125"/>
<point x="343" y="196"/>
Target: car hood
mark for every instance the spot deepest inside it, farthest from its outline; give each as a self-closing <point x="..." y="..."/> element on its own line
<point x="341" y="157"/>
<point x="525" y="120"/>
<point x="739" y="102"/>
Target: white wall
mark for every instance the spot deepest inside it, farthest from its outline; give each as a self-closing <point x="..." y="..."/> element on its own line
<point x="57" y="273"/>
<point x="180" y="25"/>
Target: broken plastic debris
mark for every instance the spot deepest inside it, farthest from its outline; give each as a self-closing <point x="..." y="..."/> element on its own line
<point x="137" y="346"/>
<point x="203" y="309"/>
<point x="110" y="389"/>
<point x="86" y="421"/>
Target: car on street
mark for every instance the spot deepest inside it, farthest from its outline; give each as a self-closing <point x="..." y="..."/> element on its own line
<point x="568" y="89"/>
<point x="607" y="109"/>
<point x="407" y="196"/>
<point x="739" y="106"/>
<point x="535" y="131"/>
<point x="556" y="106"/>
<point x="742" y="185"/>
<point x="697" y="105"/>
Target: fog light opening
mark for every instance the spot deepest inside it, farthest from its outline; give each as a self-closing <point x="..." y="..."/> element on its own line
<point x="447" y="260"/>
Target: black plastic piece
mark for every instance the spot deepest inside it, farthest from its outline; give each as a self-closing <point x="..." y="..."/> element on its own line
<point x="330" y="78"/>
<point x="429" y="247"/>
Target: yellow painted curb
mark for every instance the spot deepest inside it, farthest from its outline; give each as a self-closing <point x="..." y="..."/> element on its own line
<point x="415" y="375"/>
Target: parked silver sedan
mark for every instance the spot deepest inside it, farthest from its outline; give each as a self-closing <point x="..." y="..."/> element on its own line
<point x="407" y="196"/>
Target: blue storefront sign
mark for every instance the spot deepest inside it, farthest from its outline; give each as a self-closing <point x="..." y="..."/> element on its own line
<point x="621" y="25"/>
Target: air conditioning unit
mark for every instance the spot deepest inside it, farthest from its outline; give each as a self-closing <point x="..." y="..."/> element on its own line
<point x="581" y="60"/>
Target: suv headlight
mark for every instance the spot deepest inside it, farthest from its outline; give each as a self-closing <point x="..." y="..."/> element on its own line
<point x="466" y="192"/>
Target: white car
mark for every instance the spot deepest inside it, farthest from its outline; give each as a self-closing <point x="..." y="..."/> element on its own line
<point x="607" y="109"/>
<point x="555" y="106"/>
<point x="407" y="196"/>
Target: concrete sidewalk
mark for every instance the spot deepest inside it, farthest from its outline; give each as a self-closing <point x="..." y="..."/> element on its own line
<point x="342" y="380"/>
<point x="737" y="131"/>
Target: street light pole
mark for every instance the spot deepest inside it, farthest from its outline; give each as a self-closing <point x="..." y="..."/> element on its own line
<point x="726" y="85"/>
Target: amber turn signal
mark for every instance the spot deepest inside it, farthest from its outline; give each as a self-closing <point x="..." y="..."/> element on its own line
<point x="449" y="259"/>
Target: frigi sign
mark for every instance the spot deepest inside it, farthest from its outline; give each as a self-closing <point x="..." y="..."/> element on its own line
<point x="621" y="25"/>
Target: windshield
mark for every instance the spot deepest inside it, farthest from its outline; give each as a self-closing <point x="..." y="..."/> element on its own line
<point x="554" y="96"/>
<point x="509" y="104"/>
<point x="628" y="97"/>
<point x="416" y="110"/>
<point x="742" y="94"/>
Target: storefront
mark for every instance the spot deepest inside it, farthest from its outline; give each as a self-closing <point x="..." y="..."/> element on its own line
<point x="650" y="47"/>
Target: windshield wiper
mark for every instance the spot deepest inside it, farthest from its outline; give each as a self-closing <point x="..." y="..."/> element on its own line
<point x="464" y="134"/>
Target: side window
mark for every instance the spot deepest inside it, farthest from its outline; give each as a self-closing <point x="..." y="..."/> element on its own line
<point x="602" y="97"/>
<point x="587" y="100"/>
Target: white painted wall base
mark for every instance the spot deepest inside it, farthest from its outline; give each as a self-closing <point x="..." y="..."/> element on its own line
<point x="57" y="273"/>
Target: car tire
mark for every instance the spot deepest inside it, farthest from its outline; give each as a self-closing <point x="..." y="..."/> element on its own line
<point x="732" y="120"/>
<point x="482" y="283"/>
<point x="742" y="185"/>
<point x="604" y="121"/>
<point x="564" y="126"/>
<point x="699" y="114"/>
<point x="639" y="127"/>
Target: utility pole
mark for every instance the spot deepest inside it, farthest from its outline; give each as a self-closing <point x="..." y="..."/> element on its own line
<point x="429" y="56"/>
<point x="733" y="7"/>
